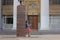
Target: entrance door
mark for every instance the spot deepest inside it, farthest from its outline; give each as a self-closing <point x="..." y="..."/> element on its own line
<point x="33" y="20"/>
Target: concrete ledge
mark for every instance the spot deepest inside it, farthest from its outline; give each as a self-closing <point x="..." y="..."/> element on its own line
<point x="42" y="32"/>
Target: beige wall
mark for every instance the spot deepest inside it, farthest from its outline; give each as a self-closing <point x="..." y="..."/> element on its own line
<point x="7" y="10"/>
<point x="32" y="11"/>
<point x="54" y="9"/>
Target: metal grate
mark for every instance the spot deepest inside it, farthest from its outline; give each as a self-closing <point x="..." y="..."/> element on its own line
<point x="54" y="17"/>
<point x="7" y="11"/>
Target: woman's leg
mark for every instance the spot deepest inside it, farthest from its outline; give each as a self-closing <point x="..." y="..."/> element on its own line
<point x="28" y="34"/>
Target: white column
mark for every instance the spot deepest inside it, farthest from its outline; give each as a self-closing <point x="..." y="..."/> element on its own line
<point x="44" y="15"/>
<point x="0" y="16"/>
<point x="15" y="4"/>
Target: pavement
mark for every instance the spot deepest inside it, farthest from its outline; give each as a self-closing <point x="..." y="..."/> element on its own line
<point x="42" y="35"/>
<point x="33" y="37"/>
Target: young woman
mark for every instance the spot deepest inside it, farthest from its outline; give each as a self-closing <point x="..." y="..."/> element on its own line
<point x="28" y="30"/>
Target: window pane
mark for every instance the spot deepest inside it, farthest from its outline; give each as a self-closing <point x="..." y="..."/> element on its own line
<point x="9" y="20"/>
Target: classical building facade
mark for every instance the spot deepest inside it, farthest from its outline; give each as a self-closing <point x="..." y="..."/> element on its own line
<point x="42" y="14"/>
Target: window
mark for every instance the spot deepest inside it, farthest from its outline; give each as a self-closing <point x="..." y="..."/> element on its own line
<point x="54" y="21"/>
<point x="7" y="2"/>
<point x="8" y="19"/>
<point x="54" y="1"/>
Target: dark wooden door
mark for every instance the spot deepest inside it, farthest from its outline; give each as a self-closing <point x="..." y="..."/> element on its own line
<point x="33" y="20"/>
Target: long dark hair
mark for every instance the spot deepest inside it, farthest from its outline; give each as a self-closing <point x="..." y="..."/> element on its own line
<point x="26" y="21"/>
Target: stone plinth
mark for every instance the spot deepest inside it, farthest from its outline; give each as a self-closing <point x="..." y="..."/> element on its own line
<point x="21" y="20"/>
